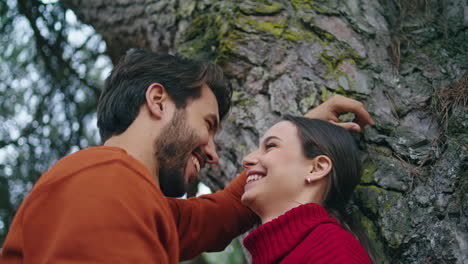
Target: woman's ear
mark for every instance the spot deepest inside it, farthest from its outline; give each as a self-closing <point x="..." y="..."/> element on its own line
<point x="156" y="95"/>
<point x="320" y="168"/>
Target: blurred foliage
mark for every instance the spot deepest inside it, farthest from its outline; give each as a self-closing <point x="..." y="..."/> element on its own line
<point x="233" y="254"/>
<point x="50" y="70"/>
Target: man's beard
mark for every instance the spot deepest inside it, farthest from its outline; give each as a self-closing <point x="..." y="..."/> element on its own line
<point x="173" y="149"/>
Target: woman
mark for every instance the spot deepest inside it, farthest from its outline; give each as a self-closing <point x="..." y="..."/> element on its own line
<point x="299" y="183"/>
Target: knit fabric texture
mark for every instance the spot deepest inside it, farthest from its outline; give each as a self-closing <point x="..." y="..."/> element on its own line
<point x="305" y="234"/>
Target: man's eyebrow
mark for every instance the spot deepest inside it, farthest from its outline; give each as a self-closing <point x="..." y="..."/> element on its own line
<point x="270" y="137"/>
<point x="215" y="122"/>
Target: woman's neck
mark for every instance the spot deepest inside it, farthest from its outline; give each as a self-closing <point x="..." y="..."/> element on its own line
<point x="276" y="210"/>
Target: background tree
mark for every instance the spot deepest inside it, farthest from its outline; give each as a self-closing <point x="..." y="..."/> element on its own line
<point x="405" y="59"/>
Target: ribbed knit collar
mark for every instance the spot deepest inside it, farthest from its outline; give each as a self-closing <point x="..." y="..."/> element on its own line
<point x="270" y="242"/>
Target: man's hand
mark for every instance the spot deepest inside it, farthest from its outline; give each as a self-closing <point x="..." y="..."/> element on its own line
<point x="338" y="105"/>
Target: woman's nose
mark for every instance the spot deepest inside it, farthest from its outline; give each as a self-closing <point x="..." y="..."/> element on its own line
<point x="250" y="160"/>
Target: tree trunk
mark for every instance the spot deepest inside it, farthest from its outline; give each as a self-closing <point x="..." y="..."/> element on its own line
<point x="406" y="60"/>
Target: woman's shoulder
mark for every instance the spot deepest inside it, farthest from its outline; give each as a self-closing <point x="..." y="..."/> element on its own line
<point x="329" y="243"/>
<point x="331" y="231"/>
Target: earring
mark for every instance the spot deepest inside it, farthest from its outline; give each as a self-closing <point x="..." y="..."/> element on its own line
<point x="308" y="180"/>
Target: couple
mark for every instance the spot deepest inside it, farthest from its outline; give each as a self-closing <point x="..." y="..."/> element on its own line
<point x="158" y="115"/>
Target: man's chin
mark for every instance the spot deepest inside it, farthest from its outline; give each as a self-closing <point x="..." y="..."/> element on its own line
<point x="172" y="185"/>
<point x="174" y="192"/>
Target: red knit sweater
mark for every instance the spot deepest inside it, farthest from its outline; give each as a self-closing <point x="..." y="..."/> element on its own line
<point x="305" y="234"/>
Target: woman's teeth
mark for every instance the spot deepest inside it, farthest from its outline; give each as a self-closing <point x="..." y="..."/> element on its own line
<point x="197" y="164"/>
<point x="254" y="177"/>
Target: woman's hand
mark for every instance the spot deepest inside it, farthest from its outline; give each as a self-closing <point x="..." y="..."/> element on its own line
<point x="338" y="105"/>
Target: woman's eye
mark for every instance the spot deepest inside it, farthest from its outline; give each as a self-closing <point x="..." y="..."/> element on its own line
<point x="270" y="145"/>
<point x="210" y="127"/>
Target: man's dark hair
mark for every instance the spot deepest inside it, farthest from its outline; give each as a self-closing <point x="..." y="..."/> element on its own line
<point x="124" y="90"/>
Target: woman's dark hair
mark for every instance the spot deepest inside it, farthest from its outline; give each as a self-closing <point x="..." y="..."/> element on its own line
<point x="125" y="88"/>
<point x="319" y="137"/>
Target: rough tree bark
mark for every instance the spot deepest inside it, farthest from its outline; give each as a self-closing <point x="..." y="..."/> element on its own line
<point x="405" y="59"/>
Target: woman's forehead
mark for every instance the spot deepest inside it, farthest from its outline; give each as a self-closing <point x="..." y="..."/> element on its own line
<point x="282" y="130"/>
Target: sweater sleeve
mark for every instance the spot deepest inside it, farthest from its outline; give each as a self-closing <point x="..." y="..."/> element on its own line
<point x="101" y="215"/>
<point x="210" y="222"/>
<point x="331" y="244"/>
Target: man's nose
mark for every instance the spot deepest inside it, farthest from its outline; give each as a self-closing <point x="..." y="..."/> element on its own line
<point x="210" y="151"/>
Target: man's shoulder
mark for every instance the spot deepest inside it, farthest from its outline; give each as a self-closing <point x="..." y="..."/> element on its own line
<point x="95" y="155"/>
<point x="92" y="159"/>
<point x="108" y="175"/>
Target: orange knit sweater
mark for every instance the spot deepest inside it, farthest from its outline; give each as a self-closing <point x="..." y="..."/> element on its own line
<point x="100" y="205"/>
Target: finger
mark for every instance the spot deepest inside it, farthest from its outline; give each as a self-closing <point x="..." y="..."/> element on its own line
<point x="350" y="126"/>
<point x="357" y="108"/>
<point x="363" y="117"/>
<point x="333" y="118"/>
<point x="362" y="123"/>
<point x="321" y="112"/>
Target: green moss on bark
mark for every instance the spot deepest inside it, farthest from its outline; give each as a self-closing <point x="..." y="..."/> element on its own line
<point x="259" y="8"/>
<point x="253" y="25"/>
<point x="369" y="168"/>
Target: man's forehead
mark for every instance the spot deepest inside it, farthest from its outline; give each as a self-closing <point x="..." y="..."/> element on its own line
<point x="209" y="98"/>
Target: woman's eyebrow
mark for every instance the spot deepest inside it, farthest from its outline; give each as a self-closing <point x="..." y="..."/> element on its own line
<point x="269" y="138"/>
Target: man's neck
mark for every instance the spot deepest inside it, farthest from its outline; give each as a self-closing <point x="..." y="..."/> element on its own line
<point x="139" y="150"/>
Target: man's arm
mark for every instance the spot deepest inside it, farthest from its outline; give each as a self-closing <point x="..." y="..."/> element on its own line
<point x="210" y="222"/>
<point x="337" y="105"/>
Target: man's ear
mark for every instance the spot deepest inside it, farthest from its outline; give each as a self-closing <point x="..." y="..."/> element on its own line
<point x="320" y="168"/>
<point x="156" y="96"/>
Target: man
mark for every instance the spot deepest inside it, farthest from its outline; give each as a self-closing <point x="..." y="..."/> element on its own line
<point x="157" y="116"/>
